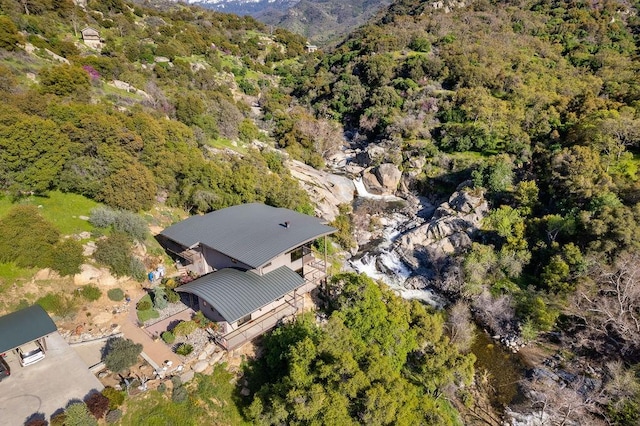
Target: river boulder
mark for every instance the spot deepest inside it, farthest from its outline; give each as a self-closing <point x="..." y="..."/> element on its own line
<point x="388" y="175"/>
<point x="448" y="231"/>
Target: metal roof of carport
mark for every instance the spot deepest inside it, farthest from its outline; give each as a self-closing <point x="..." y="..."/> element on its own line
<point x="25" y="325"/>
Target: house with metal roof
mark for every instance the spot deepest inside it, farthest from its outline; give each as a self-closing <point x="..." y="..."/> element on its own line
<point x="254" y="264"/>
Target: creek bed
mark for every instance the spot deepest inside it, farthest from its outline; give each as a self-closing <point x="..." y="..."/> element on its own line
<point x="505" y="369"/>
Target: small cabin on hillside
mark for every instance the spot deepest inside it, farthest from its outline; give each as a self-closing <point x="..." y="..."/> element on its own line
<point x="254" y="265"/>
<point x="311" y="47"/>
<point x="91" y="37"/>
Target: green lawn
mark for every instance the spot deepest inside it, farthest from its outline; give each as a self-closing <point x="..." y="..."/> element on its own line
<point x="62" y="209"/>
<point x="210" y="402"/>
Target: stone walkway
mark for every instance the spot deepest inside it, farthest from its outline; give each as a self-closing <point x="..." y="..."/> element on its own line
<point x="156" y="352"/>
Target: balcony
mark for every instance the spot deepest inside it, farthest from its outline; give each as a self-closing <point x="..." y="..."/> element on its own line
<point x="254" y="328"/>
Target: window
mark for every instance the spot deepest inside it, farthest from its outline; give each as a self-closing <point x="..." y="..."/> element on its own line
<point x="296" y="254"/>
<point x="244" y="320"/>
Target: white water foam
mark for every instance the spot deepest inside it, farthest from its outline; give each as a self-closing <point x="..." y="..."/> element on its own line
<point x="362" y="192"/>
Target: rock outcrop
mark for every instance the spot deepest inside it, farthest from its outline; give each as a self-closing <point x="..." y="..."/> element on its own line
<point x="89" y="274"/>
<point x="388" y="175"/>
<point x="326" y="190"/>
<point x="447" y="232"/>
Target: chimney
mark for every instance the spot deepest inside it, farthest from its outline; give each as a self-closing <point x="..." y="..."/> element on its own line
<point x="286" y="224"/>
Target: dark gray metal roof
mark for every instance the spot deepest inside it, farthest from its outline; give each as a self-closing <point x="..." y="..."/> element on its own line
<point x="250" y="233"/>
<point x="235" y="294"/>
<point x="25" y="325"/>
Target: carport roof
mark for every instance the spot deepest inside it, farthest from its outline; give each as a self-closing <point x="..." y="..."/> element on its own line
<point x="25" y="325"/>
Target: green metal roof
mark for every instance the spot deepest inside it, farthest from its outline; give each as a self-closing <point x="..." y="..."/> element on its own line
<point x="250" y="233"/>
<point x="235" y="294"/>
<point x="25" y="325"/>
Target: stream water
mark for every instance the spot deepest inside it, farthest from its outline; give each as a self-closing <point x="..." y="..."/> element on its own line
<point x="504" y="367"/>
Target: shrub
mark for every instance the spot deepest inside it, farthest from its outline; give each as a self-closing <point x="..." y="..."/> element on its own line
<point x="169" y="283"/>
<point x="185" y="328"/>
<point x="173" y="296"/>
<point x="121" y="354"/>
<point x="168" y="337"/>
<point x="57" y="304"/>
<point x="102" y="217"/>
<point x="176" y="381"/>
<point x="123" y="221"/>
<point x="115" y="252"/>
<point x="201" y="320"/>
<point x="144" y="305"/>
<point x="90" y="292"/>
<point x="184" y="349"/>
<point x="159" y="298"/>
<point x="58" y="419"/>
<point x="179" y="394"/>
<point x="36" y="421"/>
<point x="115" y="294"/>
<point x="131" y="224"/>
<point x="98" y="404"/>
<point x="113" y="416"/>
<point x="78" y="415"/>
<point x="162" y="388"/>
<point x="137" y="270"/>
<point x="115" y="397"/>
<point x="67" y="257"/>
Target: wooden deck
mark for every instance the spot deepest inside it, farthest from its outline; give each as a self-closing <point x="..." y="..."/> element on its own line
<point x="261" y="325"/>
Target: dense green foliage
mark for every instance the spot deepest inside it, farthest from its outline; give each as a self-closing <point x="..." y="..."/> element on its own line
<point x="121" y="354"/>
<point x="545" y="94"/>
<point x="74" y="132"/>
<point x="115" y="294"/>
<point x="29" y="240"/>
<point x="77" y="414"/>
<point x="378" y="360"/>
<point x="115" y="252"/>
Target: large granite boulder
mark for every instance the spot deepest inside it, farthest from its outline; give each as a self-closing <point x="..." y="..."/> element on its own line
<point x="447" y="232"/>
<point x="326" y="190"/>
<point x="388" y="175"/>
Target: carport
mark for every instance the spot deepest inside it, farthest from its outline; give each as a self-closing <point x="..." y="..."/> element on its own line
<point x="23" y="326"/>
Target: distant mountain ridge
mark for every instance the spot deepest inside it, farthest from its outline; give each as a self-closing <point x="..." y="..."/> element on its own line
<point x="244" y="7"/>
<point x="321" y="21"/>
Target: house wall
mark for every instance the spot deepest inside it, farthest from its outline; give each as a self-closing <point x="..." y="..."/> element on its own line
<point x="211" y="313"/>
<point x="282" y="260"/>
<point x="217" y="260"/>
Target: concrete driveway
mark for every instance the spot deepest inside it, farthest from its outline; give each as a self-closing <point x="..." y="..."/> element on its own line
<point x="46" y="386"/>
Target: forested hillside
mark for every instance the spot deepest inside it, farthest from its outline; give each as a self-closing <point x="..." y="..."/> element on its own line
<point x="148" y="116"/>
<point x="532" y="105"/>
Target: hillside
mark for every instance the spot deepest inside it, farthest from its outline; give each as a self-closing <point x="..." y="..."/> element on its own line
<point x="535" y="105"/>
<point x="139" y="117"/>
<point x="529" y="108"/>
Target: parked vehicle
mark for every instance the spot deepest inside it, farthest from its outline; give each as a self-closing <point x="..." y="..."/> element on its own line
<point x="5" y="371"/>
<point x="30" y="353"/>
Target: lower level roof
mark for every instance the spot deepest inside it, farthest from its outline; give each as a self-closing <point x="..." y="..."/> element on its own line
<point x="235" y="294"/>
<point x="25" y="325"/>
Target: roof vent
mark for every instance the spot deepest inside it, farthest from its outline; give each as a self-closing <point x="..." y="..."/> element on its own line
<point x="286" y="224"/>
